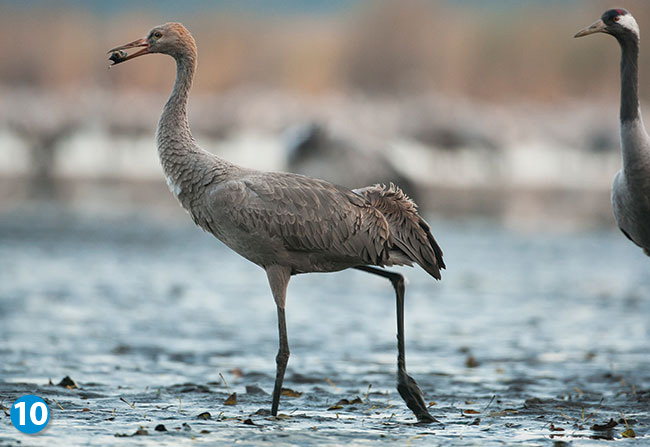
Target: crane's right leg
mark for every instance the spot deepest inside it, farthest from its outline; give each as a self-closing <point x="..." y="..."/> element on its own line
<point x="279" y="280"/>
<point x="406" y="385"/>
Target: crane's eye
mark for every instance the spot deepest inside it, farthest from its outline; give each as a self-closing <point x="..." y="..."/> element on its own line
<point x="158" y="34"/>
<point x="617" y="18"/>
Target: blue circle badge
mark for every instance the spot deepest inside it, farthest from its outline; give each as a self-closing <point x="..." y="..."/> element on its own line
<point x="30" y="414"/>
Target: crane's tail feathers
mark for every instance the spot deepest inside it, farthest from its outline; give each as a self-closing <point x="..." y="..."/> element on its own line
<point x="409" y="232"/>
<point x="422" y="256"/>
<point x="437" y="251"/>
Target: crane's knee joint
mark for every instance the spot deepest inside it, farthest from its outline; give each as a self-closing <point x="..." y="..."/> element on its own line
<point x="398" y="281"/>
<point x="283" y="356"/>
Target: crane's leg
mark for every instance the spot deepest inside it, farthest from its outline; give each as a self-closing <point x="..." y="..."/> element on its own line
<point x="279" y="280"/>
<point x="406" y="385"/>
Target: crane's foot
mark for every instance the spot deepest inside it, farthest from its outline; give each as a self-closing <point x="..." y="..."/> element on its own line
<point x="412" y="395"/>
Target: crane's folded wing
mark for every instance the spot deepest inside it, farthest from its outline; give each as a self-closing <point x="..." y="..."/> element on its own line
<point x="306" y="214"/>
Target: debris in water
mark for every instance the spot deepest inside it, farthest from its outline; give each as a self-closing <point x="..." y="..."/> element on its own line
<point x="365" y="398"/>
<point x="132" y="405"/>
<point x="290" y="393"/>
<point x="629" y="433"/>
<point x="225" y="383"/>
<point x="57" y="404"/>
<point x="283" y="416"/>
<point x="471" y="362"/>
<point x="68" y="383"/>
<point x="160" y="427"/>
<point x="607" y="426"/>
<point x="330" y="383"/>
<point x="339" y="405"/>
<point x="232" y="399"/>
<point x="139" y="432"/>
<point x="205" y="416"/>
<point x="255" y="390"/>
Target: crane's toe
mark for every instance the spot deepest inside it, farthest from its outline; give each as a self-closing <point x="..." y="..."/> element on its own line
<point x="412" y="395"/>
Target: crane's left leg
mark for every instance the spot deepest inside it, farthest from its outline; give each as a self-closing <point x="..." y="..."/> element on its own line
<point x="406" y="385"/>
<point x="279" y="280"/>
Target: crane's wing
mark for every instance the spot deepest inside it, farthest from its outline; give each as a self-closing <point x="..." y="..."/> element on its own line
<point x="306" y="214"/>
<point x="409" y="232"/>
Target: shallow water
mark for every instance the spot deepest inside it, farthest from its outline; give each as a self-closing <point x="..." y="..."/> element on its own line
<point x="156" y="312"/>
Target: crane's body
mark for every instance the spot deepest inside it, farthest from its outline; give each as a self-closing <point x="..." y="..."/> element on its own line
<point x="304" y="224"/>
<point x="287" y="223"/>
<point x="631" y="187"/>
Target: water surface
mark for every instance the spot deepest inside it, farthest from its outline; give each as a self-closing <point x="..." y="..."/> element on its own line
<point x="529" y="337"/>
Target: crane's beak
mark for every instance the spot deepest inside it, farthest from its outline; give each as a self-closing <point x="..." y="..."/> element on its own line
<point x="135" y="44"/>
<point x="596" y="27"/>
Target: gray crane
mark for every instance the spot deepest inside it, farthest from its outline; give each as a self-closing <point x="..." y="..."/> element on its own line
<point x="631" y="188"/>
<point x="287" y="223"/>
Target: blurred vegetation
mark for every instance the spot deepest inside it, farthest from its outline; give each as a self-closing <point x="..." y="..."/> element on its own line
<point x="377" y="47"/>
<point x="483" y="107"/>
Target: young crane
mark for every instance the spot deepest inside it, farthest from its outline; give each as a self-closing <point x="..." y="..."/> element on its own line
<point x="631" y="189"/>
<point x="286" y="223"/>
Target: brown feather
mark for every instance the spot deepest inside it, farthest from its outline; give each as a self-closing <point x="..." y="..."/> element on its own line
<point x="409" y="232"/>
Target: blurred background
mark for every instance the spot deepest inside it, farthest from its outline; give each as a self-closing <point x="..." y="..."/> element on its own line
<point x="476" y="108"/>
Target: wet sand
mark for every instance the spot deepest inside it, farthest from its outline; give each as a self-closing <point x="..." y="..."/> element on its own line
<point x="530" y="337"/>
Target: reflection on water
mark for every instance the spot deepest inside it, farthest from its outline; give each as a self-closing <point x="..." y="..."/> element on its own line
<point x="154" y="311"/>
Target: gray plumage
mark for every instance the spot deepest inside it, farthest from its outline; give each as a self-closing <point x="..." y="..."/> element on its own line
<point x="631" y="188"/>
<point x="287" y="223"/>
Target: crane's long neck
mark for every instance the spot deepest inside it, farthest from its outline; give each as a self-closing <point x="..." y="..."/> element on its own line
<point x="174" y="135"/>
<point x="184" y="163"/>
<point x="634" y="138"/>
<point x="629" y="79"/>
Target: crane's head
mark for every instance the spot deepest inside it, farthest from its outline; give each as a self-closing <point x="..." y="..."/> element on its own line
<point x="171" y="38"/>
<point x="617" y="22"/>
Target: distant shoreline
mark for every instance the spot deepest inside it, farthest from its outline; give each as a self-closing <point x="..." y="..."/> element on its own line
<point x="526" y="208"/>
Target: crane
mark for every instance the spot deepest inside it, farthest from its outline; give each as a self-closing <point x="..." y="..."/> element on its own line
<point x="631" y="188"/>
<point x="286" y="223"/>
